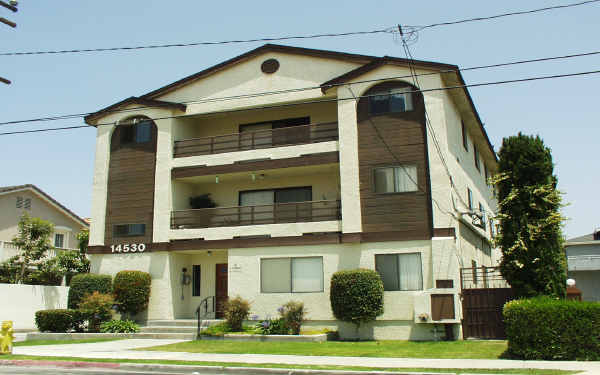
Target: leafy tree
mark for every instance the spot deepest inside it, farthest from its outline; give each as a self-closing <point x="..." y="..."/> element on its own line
<point x="71" y="262"/>
<point x="530" y="237"/>
<point x="33" y="241"/>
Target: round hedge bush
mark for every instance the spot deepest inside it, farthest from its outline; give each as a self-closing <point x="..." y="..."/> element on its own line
<point x="132" y="291"/>
<point x="58" y="320"/>
<point x="356" y="296"/>
<point x="87" y="283"/>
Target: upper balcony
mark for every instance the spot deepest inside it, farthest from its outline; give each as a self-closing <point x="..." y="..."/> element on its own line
<point x="266" y="134"/>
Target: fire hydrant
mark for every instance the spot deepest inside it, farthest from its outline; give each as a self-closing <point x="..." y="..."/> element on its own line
<point x="6" y="337"/>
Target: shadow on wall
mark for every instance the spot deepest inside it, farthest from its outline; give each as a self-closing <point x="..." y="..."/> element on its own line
<point x="50" y="298"/>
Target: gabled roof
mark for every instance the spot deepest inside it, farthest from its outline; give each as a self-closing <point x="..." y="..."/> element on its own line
<point x="134" y="100"/>
<point x="585" y="238"/>
<point x="46" y="197"/>
<point x="369" y="63"/>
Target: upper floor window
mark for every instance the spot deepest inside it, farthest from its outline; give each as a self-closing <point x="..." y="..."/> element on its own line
<point x="129" y="230"/>
<point x="59" y="240"/>
<point x="476" y="157"/>
<point x="396" y="179"/>
<point x="391" y="100"/>
<point x="400" y="271"/>
<point x="465" y="140"/>
<point x="470" y="199"/>
<point x="139" y="132"/>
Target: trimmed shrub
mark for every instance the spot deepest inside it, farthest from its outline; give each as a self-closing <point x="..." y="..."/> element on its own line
<point x="58" y="320"/>
<point x="119" y="326"/>
<point x="356" y="296"/>
<point x="543" y="328"/>
<point x="132" y="291"/>
<point x="88" y="283"/>
<point x="293" y="314"/>
<point x="98" y="309"/>
<point x="236" y="310"/>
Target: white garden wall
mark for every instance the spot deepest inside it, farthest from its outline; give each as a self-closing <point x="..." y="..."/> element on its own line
<point x="20" y="302"/>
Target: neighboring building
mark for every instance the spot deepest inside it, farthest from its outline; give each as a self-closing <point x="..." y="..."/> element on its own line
<point x="20" y="199"/>
<point x="344" y="173"/>
<point x="583" y="259"/>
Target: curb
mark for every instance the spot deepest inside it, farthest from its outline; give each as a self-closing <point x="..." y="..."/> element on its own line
<point x="149" y="367"/>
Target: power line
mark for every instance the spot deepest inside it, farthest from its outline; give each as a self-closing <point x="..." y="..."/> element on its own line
<point x="517" y="13"/>
<point x="266" y="93"/>
<point x="210" y="43"/>
<point x="493" y="83"/>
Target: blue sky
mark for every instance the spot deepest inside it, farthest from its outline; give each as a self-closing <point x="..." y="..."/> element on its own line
<point x="564" y="112"/>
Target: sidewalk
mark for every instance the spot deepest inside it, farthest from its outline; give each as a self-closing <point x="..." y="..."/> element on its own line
<point x="122" y="350"/>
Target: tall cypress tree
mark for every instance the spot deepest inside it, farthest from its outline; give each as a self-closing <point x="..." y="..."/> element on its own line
<point x="530" y="237"/>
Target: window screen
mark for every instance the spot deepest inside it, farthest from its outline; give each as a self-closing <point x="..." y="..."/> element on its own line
<point x="275" y="275"/>
<point x="398" y="179"/>
<point x="295" y="275"/>
<point x="400" y="271"/>
<point x="307" y="274"/>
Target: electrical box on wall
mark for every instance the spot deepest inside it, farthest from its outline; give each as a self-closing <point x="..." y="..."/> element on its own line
<point x="437" y="306"/>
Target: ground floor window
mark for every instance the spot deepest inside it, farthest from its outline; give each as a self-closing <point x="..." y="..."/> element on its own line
<point x="400" y="271"/>
<point x="291" y="275"/>
<point x="196" y="280"/>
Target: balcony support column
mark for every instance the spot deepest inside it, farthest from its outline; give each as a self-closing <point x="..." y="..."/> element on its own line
<point x="162" y="181"/>
<point x="349" y="179"/>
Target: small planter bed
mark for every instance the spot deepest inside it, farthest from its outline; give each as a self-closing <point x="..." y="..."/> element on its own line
<point x="257" y="337"/>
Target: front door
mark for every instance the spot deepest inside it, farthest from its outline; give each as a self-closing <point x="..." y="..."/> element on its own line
<point x="220" y="289"/>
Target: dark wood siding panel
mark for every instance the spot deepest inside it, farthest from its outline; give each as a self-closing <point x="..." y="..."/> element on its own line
<point x="130" y="198"/>
<point x="442" y="306"/>
<point x="405" y="134"/>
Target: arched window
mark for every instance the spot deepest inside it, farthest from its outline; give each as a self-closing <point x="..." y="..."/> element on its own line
<point x="391" y="99"/>
<point x="136" y="130"/>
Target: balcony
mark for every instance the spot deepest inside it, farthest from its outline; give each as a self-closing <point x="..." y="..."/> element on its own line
<point x="256" y="140"/>
<point x="279" y="213"/>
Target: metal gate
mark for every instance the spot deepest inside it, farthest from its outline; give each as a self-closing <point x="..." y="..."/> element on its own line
<point x="484" y="293"/>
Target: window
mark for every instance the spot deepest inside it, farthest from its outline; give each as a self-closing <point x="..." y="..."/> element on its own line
<point x="393" y="100"/>
<point x="482" y="212"/>
<point x="486" y="174"/>
<point x="129" y="230"/>
<point x="400" y="271"/>
<point x="396" y="179"/>
<point x="139" y="132"/>
<point x="476" y="157"/>
<point x="196" y="280"/>
<point x="464" y="136"/>
<point x="291" y="275"/>
<point x="59" y="240"/>
<point x="470" y="199"/>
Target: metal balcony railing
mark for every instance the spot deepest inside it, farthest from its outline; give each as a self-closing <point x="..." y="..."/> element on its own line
<point x="253" y="140"/>
<point x="255" y="215"/>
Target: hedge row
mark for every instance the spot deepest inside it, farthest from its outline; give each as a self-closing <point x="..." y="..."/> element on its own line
<point x="549" y="329"/>
<point x="87" y="283"/>
<point x="59" y="320"/>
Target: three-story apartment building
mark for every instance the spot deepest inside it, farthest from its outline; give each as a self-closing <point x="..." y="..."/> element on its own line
<point x="265" y="174"/>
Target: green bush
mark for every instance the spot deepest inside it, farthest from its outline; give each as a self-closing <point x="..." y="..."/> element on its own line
<point x="119" y="326"/>
<point x="543" y="328"/>
<point x="217" y="330"/>
<point x="59" y="320"/>
<point x="98" y="308"/>
<point x="356" y="296"/>
<point x="84" y="284"/>
<point x="236" y="310"/>
<point x="293" y="314"/>
<point x="273" y="327"/>
<point x="132" y="291"/>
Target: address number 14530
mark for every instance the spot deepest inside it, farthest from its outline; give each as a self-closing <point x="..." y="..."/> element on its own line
<point x="128" y="248"/>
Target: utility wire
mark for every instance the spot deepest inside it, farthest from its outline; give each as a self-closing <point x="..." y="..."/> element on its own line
<point x="286" y="91"/>
<point x="210" y="43"/>
<point x="493" y="83"/>
<point x="518" y="13"/>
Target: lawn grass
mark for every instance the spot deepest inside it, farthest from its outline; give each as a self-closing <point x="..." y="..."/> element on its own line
<point x="391" y="349"/>
<point x="305" y="367"/>
<point x="62" y="342"/>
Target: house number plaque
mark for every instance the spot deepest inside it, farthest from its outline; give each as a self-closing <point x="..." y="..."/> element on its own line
<point x="128" y="248"/>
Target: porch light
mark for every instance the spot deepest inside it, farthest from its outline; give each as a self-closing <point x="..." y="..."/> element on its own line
<point x="216" y="179"/>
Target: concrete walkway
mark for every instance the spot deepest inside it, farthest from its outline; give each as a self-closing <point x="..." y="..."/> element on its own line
<point x="122" y="350"/>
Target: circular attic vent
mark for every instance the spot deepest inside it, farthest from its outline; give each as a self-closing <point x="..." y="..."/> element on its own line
<point x="269" y="66"/>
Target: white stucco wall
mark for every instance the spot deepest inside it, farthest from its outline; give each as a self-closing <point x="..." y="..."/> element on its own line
<point x="20" y="302"/>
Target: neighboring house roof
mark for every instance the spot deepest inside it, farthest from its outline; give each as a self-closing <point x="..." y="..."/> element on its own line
<point x="587" y="237"/>
<point x="369" y="63"/>
<point x="44" y="196"/>
<point x="134" y="100"/>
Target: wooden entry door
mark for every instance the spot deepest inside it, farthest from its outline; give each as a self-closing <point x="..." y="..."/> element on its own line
<point x="220" y="289"/>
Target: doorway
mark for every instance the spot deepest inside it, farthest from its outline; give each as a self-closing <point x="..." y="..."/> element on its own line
<point x="220" y="289"/>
